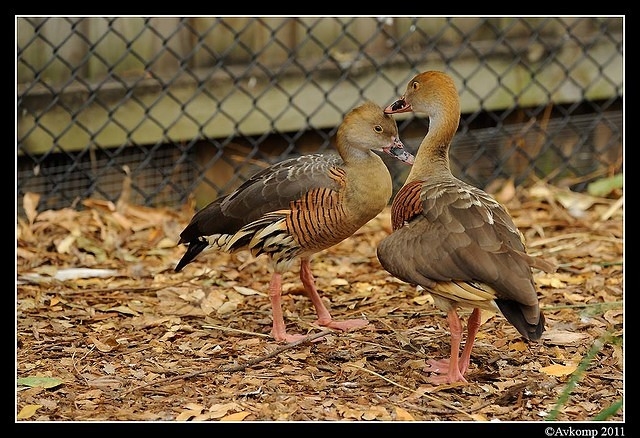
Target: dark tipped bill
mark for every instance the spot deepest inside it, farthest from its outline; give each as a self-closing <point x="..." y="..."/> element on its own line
<point x="399" y="106"/>
<point x="397" y="150"/>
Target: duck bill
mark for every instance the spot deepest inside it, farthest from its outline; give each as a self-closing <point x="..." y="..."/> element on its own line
<point x="399" y="106"/>
<point x="397" y="150"/>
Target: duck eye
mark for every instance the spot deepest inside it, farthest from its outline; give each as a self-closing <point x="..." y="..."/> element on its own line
<point x="415" y="85"/>
<point x="378" y="129"/>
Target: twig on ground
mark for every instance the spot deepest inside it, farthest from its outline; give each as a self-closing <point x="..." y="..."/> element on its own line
<point x="430" y="397"/>
<point x="232" y="368"/>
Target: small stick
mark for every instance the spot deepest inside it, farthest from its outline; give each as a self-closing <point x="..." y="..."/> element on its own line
<point x="239" y="367"/>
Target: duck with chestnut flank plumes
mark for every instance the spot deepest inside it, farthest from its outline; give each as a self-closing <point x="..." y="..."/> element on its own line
<point x="300" y="206"/>
<point x="454" y="240"/>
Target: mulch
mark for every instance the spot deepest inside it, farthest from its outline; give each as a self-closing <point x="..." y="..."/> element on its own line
<point x="107" y="331"/>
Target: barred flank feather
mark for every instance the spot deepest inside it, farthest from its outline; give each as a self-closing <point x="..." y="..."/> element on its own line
<point x="303" y="205"/>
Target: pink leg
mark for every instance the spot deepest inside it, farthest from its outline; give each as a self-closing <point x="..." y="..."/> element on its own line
<point x="473" y="325"/>
<point x="279" y="331"/>
<point x="324" y="318"/>
<point x="448" y="369"/>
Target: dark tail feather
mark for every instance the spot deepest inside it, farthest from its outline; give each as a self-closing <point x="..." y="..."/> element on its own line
<point x="195" y="247"/>
<point x="514" y="312"/>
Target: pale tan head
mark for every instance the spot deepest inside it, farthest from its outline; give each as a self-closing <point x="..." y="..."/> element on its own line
<point x="368" y="128"/>
<point x="431" y="92"/>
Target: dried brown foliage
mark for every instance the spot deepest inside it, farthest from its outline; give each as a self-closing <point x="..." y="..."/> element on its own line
<point x="142" y="342"/>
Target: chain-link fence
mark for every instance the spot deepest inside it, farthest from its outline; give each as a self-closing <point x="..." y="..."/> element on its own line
<point x="194" y="105"/>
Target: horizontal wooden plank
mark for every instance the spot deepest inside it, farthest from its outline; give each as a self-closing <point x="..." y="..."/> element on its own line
<point x="205" y="103"/>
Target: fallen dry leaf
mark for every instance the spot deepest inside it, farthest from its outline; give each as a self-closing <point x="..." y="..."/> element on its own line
<point x="237" y="416"/>
<point x="28" y="411"/>
<point x="558" y="370"/>
<point x="403" y="415"/>
<point x="150" y="344"/>
<point x="564" y="337"/>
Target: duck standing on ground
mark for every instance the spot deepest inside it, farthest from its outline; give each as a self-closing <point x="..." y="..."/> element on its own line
<point x="301" y="206"/>
<point x="454" y="240"/>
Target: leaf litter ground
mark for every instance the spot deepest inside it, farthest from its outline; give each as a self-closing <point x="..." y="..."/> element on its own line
<point x="107" y="331"/>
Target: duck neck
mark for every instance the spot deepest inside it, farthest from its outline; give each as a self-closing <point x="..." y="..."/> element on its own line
<point x="354" y="156"/>
<point x="432" y="158"/>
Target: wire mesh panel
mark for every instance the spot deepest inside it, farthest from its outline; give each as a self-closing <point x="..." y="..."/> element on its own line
<point x="192" y="106"/>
